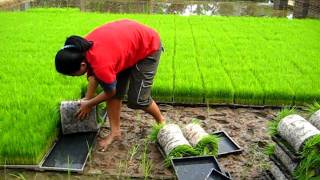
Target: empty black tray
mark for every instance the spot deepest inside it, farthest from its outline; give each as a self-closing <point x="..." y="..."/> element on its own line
<point x="190" y="168"/>
<point x="70" y="153"/>
<point x="226" y="144"/>
<point x="286" y="148"/>
<point x="216" y="175"/>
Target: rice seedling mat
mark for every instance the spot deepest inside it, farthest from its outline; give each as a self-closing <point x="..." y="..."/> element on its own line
<point x="290" y="152"/>
<point x="190" y="168"/>
<point x="70" y="153"/>
<point x="226" y="144"/>
<point x="284" y="171"/>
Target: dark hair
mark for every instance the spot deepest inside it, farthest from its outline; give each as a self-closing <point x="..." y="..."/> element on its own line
<point x="69" y="58"/>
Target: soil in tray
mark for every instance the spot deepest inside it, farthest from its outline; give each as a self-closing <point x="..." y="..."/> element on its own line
<point x="248" y="127"/>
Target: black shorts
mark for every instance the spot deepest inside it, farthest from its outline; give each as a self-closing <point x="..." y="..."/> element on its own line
<point x="137" y="81"/>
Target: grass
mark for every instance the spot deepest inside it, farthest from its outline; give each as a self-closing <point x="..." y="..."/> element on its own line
<point x="242" y="60"/>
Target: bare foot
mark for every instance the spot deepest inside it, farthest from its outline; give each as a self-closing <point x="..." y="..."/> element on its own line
<point x="105" y="142"/>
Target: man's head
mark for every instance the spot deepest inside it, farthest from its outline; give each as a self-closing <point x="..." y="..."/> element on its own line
<point x="71" y="59"/>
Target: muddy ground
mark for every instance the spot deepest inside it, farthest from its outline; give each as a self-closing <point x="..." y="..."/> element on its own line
<point x="247" y="126"/>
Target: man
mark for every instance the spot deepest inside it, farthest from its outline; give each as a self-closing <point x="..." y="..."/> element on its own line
<point x="121" y="56"/>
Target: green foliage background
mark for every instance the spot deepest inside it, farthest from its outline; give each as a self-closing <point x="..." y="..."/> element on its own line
<point x="232" y="60"/>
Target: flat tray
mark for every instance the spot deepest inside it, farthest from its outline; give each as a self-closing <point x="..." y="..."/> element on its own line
<point x="226" y="144"/>
<point x="288" y="150"/>
<point x="216" y="175"/>
<point x="70" y="153"/>
<point x="190" y="168"/>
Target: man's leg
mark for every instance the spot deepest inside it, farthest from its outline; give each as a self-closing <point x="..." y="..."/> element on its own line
<point x="141" y="80"/>
<point x="154" y="110"/>
<point x="113" y="110"/>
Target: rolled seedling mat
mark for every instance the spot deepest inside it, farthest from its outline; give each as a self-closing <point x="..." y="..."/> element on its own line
<point x="70" y="124"/>
<point x="278" y="171"/>
<point x="315" y="119"/>
<point x="296" y="130"/>
<point x="285" y="146"/>
<point x="204" y="143"/>
<point x="285" y="159"/>
<point x="174" y="144"/>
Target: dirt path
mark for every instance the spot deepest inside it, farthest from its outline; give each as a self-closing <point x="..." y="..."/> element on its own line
<point x="245" y="125"/>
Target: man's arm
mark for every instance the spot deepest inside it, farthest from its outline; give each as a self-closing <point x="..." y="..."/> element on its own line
<point x="91" y="89"/>
<point x="86" y="105"/>
<point x="103" y="96"/>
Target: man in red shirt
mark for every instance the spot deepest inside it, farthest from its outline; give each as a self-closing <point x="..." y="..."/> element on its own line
<point x="121" y="56"/>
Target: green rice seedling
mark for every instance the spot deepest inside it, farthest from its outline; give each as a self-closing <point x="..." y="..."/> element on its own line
<point x="18" y="176"/>
<point x="133" y="151"/>
<point x="180" y="151"/>
<point x="146" y="162"/>
<point x="273" y="125"/>
<point x="312" y="108"/>
<point x="120" y="169"/>
<point x="310" y="159"/>
<point x="89" y="152"/>
<point x="245" y="60"/>
<point x="155" y="131"/>
<point x="269" y="149"/>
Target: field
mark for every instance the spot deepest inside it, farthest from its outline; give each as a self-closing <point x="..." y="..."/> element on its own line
<point x="215" y="60"/>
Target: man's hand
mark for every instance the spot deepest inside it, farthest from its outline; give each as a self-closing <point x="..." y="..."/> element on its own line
<point x="84" y="109"/>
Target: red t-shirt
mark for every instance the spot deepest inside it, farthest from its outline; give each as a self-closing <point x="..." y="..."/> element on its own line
<point x="117" y="46"/>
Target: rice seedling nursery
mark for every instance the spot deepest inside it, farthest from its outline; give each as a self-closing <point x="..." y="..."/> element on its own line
<point x="207" y="60"/>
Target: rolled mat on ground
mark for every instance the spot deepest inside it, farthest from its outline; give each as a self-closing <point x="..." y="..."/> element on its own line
<point x="204" y="143"/>
<point x="70" y="124"/>
<point x="172" y="141"/>
<point x="303" y="138"/>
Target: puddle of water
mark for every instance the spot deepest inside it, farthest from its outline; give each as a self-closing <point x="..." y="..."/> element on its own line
<point x="185" y="8"/>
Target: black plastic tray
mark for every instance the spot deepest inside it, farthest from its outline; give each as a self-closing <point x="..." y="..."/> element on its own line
<point x="288" y="150"/>
<point x="190" y="168"/>
<point x="226" y="144"/>
<point x="70" y="153"/>
<point x="216" y="175"/>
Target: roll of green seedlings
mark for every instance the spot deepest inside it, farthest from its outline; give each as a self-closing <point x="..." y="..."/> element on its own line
<point x="314" y="110"/>
<point x="204" y="143"/>
<point x="296" y="131"/>
<point x="172" y="141"/>
<point x="303" y="137"/>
